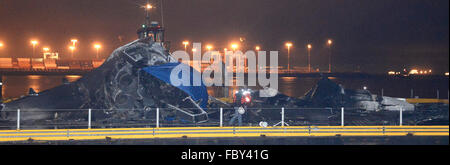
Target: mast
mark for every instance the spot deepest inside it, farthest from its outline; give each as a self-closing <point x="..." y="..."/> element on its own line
<point x="147" y="13"/>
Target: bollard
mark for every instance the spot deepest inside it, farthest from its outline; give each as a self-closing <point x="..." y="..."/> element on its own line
<point x="401" y="116"/>
<point x="157" y="117"/>
<point x="18" y="119"/>
<point x="89" y="119"/>
<point x="342" y="116"/>
<point x="282" y="117"/>
<point x="412" y="93"/>
<point x="382" y="92"/>
<point x="221" y="117"/>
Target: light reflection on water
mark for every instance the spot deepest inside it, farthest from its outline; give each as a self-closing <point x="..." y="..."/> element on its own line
<point x="15" y="86"/>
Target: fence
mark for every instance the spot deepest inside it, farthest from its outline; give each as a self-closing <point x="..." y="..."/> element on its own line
<point x="222" y="117"/>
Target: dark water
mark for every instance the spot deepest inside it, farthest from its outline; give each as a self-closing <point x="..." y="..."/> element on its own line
<point x="425" y="87"/>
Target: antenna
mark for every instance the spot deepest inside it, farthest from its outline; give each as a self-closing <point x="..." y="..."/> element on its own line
<point x="148" y="6"/>
<point x="162" y="14"/>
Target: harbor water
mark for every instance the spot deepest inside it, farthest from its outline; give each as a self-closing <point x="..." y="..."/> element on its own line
<point x="422" y="87"/>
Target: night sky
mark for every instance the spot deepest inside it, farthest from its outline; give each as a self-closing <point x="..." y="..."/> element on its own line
<point x="373" y="35"/>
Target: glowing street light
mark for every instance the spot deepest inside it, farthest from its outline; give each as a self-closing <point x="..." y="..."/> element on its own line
<point x="185" y="43"/>
<point x="148" y="6"/>
<point x="289" y="45"/>
<point x="329" y="43"/>
<point x="234" y="46"/>
<point x="45" y="49"/>
<point x="97" y="47"/>
<point x="209" y="47"/>
<point x="257" y="48"/>
<point x="74" y="41"/>
<point x="72" y="48"/>
<point x="34" y="43"/>
<point x="309" y="46"/>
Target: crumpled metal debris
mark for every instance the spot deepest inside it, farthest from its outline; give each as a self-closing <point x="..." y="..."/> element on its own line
<point x="119" y="87"/>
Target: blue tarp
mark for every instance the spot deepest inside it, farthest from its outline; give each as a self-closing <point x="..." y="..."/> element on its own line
<point x="163" y="72"/>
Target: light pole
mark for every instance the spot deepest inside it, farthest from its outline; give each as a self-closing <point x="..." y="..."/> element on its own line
<point x="257" y="48"/>
<point x="72" y="48"/>
<point x="288" y="45"/>
<point x="148" y="7"/>
<point x="34" y="43"/>
<point x="330" y="42"/>
<point x="97" y="47"/>
<point x="185" y="43"/>
<point x="309" y="57"/>
<point x="74" y="42"/>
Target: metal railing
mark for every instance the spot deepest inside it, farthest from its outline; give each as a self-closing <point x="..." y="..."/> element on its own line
<point x="77" y="119"/>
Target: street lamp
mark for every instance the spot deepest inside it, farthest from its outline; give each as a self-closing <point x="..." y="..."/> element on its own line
<point x="309" y="57"/>
<point x="329" y="43"/>
<point x="234" y="46"/>
<point x="74" y="41"/>
<point x="34" y="43"/>
<point x="209" y="47"/>
<point x="185" y="43"/>
<point x="148" y="6"/>
<point x="97" y="47"/>
<point x="72" y="48"/>
<point x="257" y="48"/>
<point x="289" y="45"/>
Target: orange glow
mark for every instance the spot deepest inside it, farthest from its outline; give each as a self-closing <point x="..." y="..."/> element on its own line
<point x="46" y="49"/>
<point x="209" y="47"/>
<point x="288" y="44"/>
<point x="234" y="46"/>
<point x="414" y="71"/>
<point x="74" y="41"/>
<point x="420" y="72"/>
<point x="194" y="50"/>
<point x="309" y="46"/>
<point x="148" y="6"/>
<point x="257" y="48"/>
<point x="34" y="42"/>
<point x="330" y="42"/>
<point x="97" y="46"/>
<point x="1" y="44"/>
<point x="72" y="48"/>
